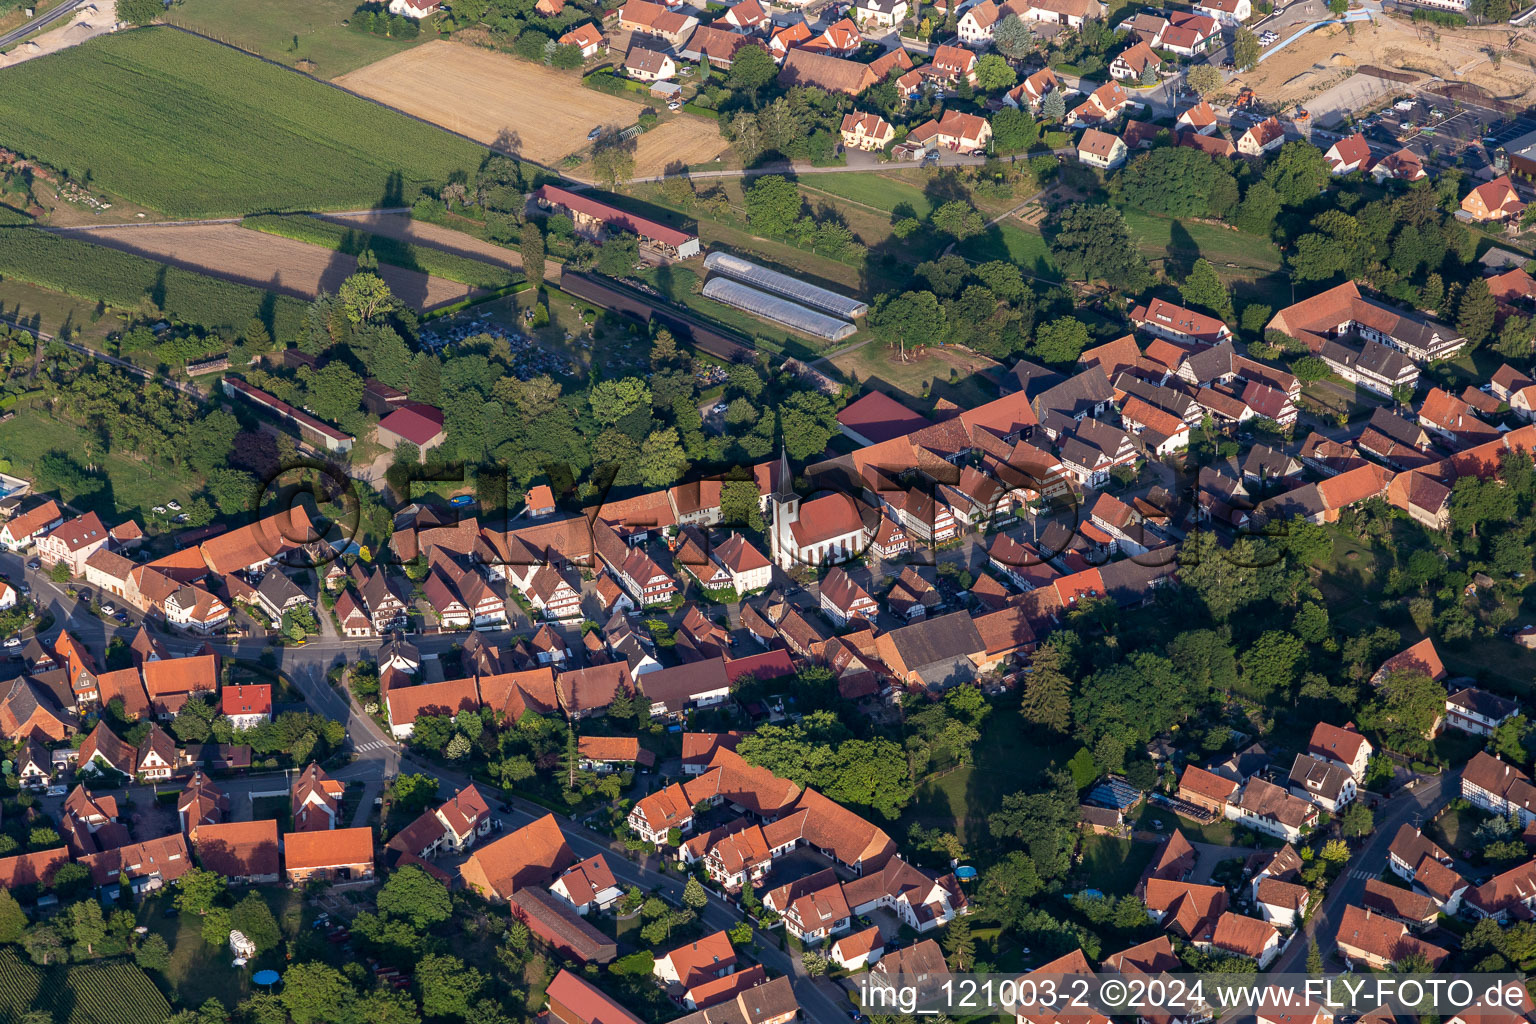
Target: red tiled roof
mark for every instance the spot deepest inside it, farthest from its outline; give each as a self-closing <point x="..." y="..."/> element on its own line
<point x="330" y="848"/>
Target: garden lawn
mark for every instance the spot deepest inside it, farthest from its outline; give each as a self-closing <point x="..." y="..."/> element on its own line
<point x="132" y="486"/>
<point x="199" y="971"/>
<point x="1158" y="236"/>
<point x="1008" y="241"/>
<point x="1113" y="866"/>
<point x="1218" y="833"/>
<point x="292" y="32"/>
<point x="195" y="129"/>
<point x="882" y="191"/>
<point x="1005" y="762"/>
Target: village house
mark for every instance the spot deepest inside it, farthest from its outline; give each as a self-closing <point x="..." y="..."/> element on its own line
<point x="1493" y="200"/>
<point x="1265" y="137"/>
<point x="866" y="131"/>
<point x="72" y="542"/>
<point x="1101" y="150"/>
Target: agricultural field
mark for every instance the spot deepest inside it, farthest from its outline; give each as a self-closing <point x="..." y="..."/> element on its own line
<point x="195" y="129"/>
<point x="249" y="257"/>
<point x="99" y="274"/>
<point x="311" y="35"/>
<point x="338" y="236"/>
<point x="525" y="109"/>
<point x="684" y="141"/>
<point x="115" y="992"/>
<point x="403" y="227"/>
<point x="879" y="191"/>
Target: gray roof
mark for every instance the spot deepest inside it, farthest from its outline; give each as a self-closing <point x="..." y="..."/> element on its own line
<point x="1077" y="395"/>
<point x="1210" y="363"/>
<point x="1311" y="776"/>
<point x="939" y="649"/>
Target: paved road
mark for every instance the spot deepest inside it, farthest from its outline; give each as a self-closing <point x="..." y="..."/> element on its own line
<point x="62" y="11"/>
<point x="1408" y="807"/>
<point x="378" y="758"/>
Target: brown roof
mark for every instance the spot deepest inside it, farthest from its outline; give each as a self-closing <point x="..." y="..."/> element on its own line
<point x="406" y="704"/>
<point x="531" y="855"/>
<point x="329" y="848"/>
<point x="238" y="848"/>
<point x="574" y="1000"/>
<point x="920" y="958"/>
<point x="804" y="67"/>
<point x="558" y="923"/>
<point x="1207" y="784"/>
<point x="1246" y="936"/>
<point x="32" y="868"/>
<point x="1279" y="893"/>
<point x="701" y="958"/>
<point x="1395" y="901"/>
<point x="1383" y="937"/>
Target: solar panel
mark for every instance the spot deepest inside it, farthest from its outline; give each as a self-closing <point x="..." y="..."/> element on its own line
<point x="782" y="284"/>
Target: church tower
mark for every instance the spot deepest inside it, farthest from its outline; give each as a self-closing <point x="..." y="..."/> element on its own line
<point x="785" y="506"/>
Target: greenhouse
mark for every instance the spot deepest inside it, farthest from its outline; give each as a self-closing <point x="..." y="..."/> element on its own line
<point x="782" y="284"/>
<point x="781" y="311"/>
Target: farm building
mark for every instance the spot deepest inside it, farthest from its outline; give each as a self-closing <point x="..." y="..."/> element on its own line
<point x="592" y="218"/>
<point x="781" y="311"/>
<point x="413" y="423"/>
<point x="782" y="284"/>
<point x="311" y="429"/>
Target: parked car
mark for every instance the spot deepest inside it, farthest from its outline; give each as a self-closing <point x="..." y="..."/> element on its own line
<point x="14" y="641"/>
<point x="174" y="506"/>
<point x="109" y="609"/>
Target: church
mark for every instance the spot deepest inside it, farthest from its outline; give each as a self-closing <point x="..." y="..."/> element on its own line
<point x="831" y="528"/>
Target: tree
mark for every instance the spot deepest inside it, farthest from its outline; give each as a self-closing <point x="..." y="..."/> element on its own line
<point x="1257" y="212"/>
<point x="1476" y="312"/>
<point x="153" y="954"/>
<point x="911" y="318"/>
<point x="1092" y="242"/>
<point x="254" y="918"/>
<point x="86" y="925"/>
<point x="1357" y="821"/>
<point x="815" y="963"/>
<point x="1008" y="886"/>
<point x="994" y="73"/>
<point x="1407" y="705"/>
<point x="1060" y="341"/>
<point x="614" y="399"/>
<point x="694" y="895"/>
<point x="198" y="890"/>
<point x="413" y="896"/>
<point x="140" y="12"/>
<point x="958" y="219"/>
<point x="1054" y="106"/>
<point x="1245" y="50"/>
<point x="613" y="157"/>
<point x="13" y="920"/>
<point x="1012" y="38"/>
<point x="447" y="985"/>
<point x="1270" y="663"/>
<point x="773" y="204"/>
<point x="960" y="945"/>
<point x="1204" y="79"/>
<point x="1045" y="823"/>
<point x="752" y="67"/>
<point x="314" y="993"/>
<point x="1047" y="691"/>
<point x="365" y="298"/>
<point x="533" y="254"/>
<point x="1013" y="131"/>
<point x="1203" y="288"/>
<point x="1298" y="172"/>
<point x="739" y="504"/>
<point x="662" y="459"/>
<point x="1515" y="336"/>
<point x="1314" y="958"/>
